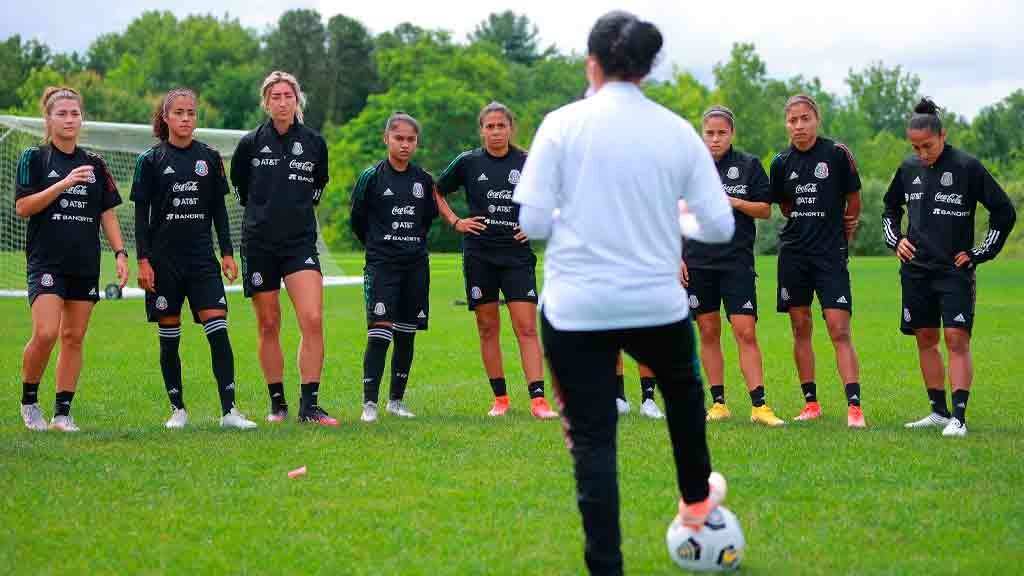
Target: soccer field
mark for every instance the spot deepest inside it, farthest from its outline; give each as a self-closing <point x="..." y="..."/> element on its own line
<point x="456" y="492"/>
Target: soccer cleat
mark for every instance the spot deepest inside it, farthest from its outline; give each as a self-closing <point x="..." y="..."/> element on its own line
<point x="955" y="428"/>
<point x="398" y="408"/>
<point x="64" y="424"/>
<point x="693" y="515"/>
<point x="855" y="417"/>
<point x="811" y="411"/>
<point x="501" y="406"/>
<point x="236" y="419"/>
<point x="649" y="408"/>
<point x="932" y="420"/>
<point x="178" y="419"/>
<point x="317" y="415"/>
<point x="369" y="412"/>
<point x="278" y="415"/>
<point x="622" y="406"/>
<point x="541" y="410"/>
<point x="764" y="415"/>
<point x="32" y="416"/>
<point x="718" y="411"/>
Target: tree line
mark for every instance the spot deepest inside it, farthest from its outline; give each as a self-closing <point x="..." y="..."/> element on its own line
<point x="354" y="79"/>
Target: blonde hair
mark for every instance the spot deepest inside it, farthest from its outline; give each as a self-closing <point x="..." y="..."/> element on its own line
<point x="277" y="77"/>
<point x="51" y="96"/>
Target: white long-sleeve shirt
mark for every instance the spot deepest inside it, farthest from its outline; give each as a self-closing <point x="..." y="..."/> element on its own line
<point x="603" y="180"/>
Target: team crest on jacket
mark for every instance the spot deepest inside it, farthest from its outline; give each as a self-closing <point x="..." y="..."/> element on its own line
<point x="297" y="148"/>
<point x="821" y="170"/>
<point x="947" y="179"/>
<point x="513" y="177"/>
<point x="201" y="168"/>
<point x="417" y="189"/>
<point x="732" y="173"/>
<point x="91" y="178"/>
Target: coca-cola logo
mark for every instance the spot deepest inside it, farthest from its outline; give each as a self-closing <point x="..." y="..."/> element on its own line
<point x="950" y="198"/>
<point x="403" y="211"/>
<point x="807" y="188"/>
<point x="499" y="194"/>
<point x="190" y="186"/>
<point x="304" y="166"/>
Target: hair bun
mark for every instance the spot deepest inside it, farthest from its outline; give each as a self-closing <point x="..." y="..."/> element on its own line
<point x="927" y="106"/>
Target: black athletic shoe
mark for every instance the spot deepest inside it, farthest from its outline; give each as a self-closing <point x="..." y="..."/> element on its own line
<point x="317" y="415"/>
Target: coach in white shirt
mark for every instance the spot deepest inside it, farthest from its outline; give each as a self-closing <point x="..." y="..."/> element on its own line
<point x="603" y="182"/>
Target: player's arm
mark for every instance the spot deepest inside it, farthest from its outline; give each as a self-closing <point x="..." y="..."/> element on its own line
<point x="777" y="187"/>
<point x="851" y="217"/>
<point x="1001" y="215"/>
<point x="142" y="185"/>
<point x="758" y="204"/>
<point x="850" y="181"/>
<point x="30" y="200"/>
<point x="108" y="219"/>
<point x="712" y="218"/>
<point x="240" y="169"/>
<point x="892" y="219"/>
<point x="221" y="224"/>
<point x="322" y="176"/>
<point x="539" y="184"/>
<point x="358" y="215"/>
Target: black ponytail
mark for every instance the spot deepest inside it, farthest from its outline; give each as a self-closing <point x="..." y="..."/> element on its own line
<point x="926" y="117"/>
<point x="624" y="45"/>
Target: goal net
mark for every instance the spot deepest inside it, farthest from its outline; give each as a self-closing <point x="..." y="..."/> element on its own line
<point x="119" y="144"/>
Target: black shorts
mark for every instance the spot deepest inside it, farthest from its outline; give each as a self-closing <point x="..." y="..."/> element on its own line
<point x="485" y="277"/>
<point x="801" y="276"/>
<point x="199" y="281"/>
<point x="263" y="269"/>
<point x="934" y="298"/>
<point x="736" y="287"/>
<point x="67" y="287"/>
<point x="397" y="292"/>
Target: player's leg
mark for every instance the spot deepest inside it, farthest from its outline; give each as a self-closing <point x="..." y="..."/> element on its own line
<point x="163" y="306"/>
<point x="832" y="283"/>
<point x="709" y="325"/>
<point x="648" y="382"/>
<point x="413" y="302"/>
<point x="208" y="301"/>
<point x="261" y="281"/>
<point x="306" y="291"/>
<point x="922" y="318"/>
<point x="744" y="331"/>
<point x="958" y="297"/>
<point x="482" y="292"/>
<point x="796" y="292"/>
<point x="621" y="404"/>
<point x="381" y="287"/>
<point x="73" y="325"/>
<point x="581" y="366"/>
<point x="46" y="319"/>
<point x="524" y="324"/>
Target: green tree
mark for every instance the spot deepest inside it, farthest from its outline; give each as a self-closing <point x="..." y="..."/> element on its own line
<point x="513" y="34"/>
<point x="884" y="96"/>
<point x="299" y="46"/>
<point x="17" y="61"/>
<point x="683" y="94"/>
<point x="351" y="73"/>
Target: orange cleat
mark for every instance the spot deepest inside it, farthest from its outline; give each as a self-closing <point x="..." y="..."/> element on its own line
<point x="693" y="515"/>
<point x="855" y="418"/>
<point x="500" y="407"/>
<point x="541" y="410"/>
<point x="811" y="411"/>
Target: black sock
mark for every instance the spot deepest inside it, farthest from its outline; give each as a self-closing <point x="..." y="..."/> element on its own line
<point x="718" y="393"/>
<point x="377" y="342"/>
<point x="62" y="404"/>
<point x="170" y="364"/>
<point x="536" y="389"/>
<point x="277" y="401"/>
<point x="498" y="387"/>
<point x="960" y="404"/>
<point x="401" y="359"/>
<point x="310" y="396"/>
<point x="937" y="398"/>
<point x="29" y="393"/>
<point x="757" y="397"/>
<point x="620" y="381"/>
<point x="810" y="390"/>
<point x="647" y="386"/>
<point x="853" y="394"/>
<point x="223" y="361"/>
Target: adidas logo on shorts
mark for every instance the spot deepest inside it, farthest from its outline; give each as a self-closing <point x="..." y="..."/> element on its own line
<point x="168" y="170"/>
<point x="310" y="261"/>
<point x="749" y="305"/>
<point x="92" y="292"/>
<point x="421" y="315"/>
<point x="532" y="293"/>
<point x="959" y="318"/>
<point x="53" y="174"/>
<point x="266" y="150"/>
<point x="482" y="178"/>
<point x="842" y="300"/>
<point x="222" y="301"/>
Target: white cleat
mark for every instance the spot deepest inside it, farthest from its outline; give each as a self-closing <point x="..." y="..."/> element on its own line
<point x="178" y="419"/>
<point x="369" y="412"/>
<point x="650" y="409"/>
<point x="955" y="428"/>
<point x="236" y="419"/>
<point x="932" y="420"/>
<point x="397" y="407"/>
<point x="33" y="418"/>
<point x="64" y="424"/>
<point x="622" y="406"/>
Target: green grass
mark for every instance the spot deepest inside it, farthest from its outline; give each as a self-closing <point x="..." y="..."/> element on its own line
<point x="454" y="492"/>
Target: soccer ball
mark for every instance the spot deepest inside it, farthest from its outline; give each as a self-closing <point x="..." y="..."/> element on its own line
<point x="717" y="547"/>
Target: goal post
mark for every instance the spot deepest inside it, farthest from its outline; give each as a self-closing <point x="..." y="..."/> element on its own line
<point x="119" y="145"/>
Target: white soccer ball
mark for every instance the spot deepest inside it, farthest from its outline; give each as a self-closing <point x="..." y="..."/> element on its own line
<point x="716" y="547"/>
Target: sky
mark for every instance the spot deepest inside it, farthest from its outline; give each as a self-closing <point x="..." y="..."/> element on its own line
<point x="966" y="53"/>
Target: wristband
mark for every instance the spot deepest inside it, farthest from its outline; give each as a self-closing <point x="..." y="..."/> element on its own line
<point x="120" y="252"/>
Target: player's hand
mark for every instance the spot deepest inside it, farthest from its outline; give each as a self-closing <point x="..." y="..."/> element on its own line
<point x="229" y="268"/>
<point x="684" y="274"/>
<point x="122" y="270"/>
<point x="79" y="175"/>
<point x="519" y="235"/>
<point x="474" y="225"/>
<point x="905" y="250"/>
<point x="962" y="260"/>
<point x="734" y="202"/>
<point x="850" y="224"/>
<point x="146" y="276"/>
